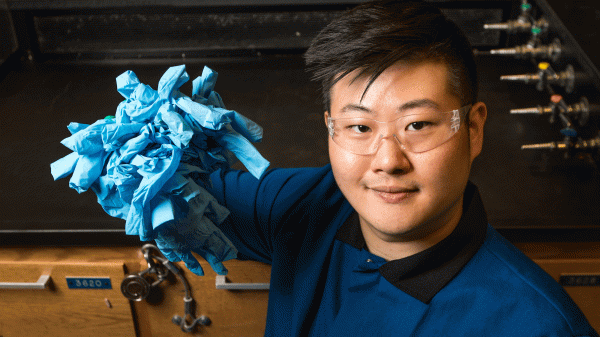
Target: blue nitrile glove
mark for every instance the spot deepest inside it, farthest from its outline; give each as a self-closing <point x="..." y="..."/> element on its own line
<point x="145" y="164"/>
<point x="184" y="221"/>
<point x="197" y="232"/>
<point x="202" y="237"/>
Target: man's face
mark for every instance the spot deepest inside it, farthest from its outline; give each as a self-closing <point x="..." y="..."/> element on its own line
<point x="399" y="195"/>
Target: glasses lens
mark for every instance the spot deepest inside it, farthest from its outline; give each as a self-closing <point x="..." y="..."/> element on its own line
<point x="357" y="135"/>
<point x="416" y="133"/>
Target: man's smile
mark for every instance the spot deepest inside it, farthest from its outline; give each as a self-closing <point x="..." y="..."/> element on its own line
<point x="394" y="194"/>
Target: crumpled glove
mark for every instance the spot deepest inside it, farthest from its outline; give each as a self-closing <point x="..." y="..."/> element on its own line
<point x="197" y="233"/>
<point x="194" y="230"/>
<point x="149" y="163"/>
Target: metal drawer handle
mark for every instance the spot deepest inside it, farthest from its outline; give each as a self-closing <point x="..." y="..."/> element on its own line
<point x="41" y="283"/>
<point x="221" y="283"/>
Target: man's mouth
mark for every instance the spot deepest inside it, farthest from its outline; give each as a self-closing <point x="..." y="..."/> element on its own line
<point x="394" y="194"/>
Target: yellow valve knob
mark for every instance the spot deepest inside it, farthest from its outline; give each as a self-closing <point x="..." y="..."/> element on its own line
<point x="543" y="65"/>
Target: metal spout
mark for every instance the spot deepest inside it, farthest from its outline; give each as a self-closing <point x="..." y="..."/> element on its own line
<point x="537" y="110"/>
<point x="551" y="51"/>
<point x="581" y="144"/>
<point x="526" y="78"/>
<point x="544" y="146"/>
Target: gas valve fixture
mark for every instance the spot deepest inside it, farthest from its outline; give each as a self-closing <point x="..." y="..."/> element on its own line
<point x="136" y="287"/>
<point x="524" y="22"/>
<point x="546" y="76"/>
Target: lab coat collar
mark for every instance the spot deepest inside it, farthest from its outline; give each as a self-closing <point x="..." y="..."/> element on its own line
<point x="424" y="274"/>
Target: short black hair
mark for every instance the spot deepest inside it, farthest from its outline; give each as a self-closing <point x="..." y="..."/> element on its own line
<point x="374" y="35"/>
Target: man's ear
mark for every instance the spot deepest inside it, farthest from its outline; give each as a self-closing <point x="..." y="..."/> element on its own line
<point x="477" y="117"/>
<point x="325" y="116"/>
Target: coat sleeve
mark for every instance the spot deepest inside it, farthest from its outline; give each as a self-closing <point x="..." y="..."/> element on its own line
<point x="262" y="210"/>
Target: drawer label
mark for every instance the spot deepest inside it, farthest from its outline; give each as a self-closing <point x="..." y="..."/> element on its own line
<point x="89" y="283"/>
<point x="580" y="280"/>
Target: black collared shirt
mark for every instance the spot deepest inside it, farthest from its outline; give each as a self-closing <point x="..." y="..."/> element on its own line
<point x="424" y="274"/>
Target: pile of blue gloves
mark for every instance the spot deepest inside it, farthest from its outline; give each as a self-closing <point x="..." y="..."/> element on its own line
<point x="150" y="163"/>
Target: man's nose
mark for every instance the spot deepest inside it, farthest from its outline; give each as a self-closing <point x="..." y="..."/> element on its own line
<point x="390" y="157"/>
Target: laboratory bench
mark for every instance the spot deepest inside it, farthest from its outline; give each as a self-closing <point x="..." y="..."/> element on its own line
<point x="75" y="288"/>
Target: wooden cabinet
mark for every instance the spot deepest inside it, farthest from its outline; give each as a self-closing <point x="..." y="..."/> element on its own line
<point x="231" y="312"/>
<point x="63" y="309"/>
<point x="570" y="260"/>
<point x="585" y="295"/>
<point x="92" y="308"/>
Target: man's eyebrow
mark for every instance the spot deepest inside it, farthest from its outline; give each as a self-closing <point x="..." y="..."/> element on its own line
<point x="419" y="103"/>
<point x="414" y="104"/>
<point x="355" y="107"/>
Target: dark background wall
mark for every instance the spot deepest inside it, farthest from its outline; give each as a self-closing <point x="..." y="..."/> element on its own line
<point x="71" y="52"/>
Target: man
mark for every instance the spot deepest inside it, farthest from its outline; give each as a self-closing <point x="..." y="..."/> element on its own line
<point x="391" y="239"/>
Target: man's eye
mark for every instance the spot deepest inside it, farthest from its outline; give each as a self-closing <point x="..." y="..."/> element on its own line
<point x="359" y="128"/>
<point x="416" y="126"/>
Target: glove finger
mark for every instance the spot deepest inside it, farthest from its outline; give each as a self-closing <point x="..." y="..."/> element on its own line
<point x="168" y="252"/>
<point x="215" y="264"/>
<point x="191" y="263"/>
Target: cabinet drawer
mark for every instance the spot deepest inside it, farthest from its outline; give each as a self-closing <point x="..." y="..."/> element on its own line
<point x="586" y="296"/>
<point x="576" y="265"/>
<point x="57" y="310"/>
<point x="231" y="312"/>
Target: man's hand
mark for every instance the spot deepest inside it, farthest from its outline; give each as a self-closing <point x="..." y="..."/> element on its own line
<point x="196" y="233"/>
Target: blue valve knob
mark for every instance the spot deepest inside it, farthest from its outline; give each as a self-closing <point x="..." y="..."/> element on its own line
<point x="569" y="132"/>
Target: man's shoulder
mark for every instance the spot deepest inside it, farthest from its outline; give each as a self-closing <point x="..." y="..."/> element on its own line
<point x="300" y="175"/>
<point x="280" y="194"/>
<point x="274" y="177"/>
<point x="306" y="183"/>
<point x="507" y="283"/>
<point x="272" y="183"/>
